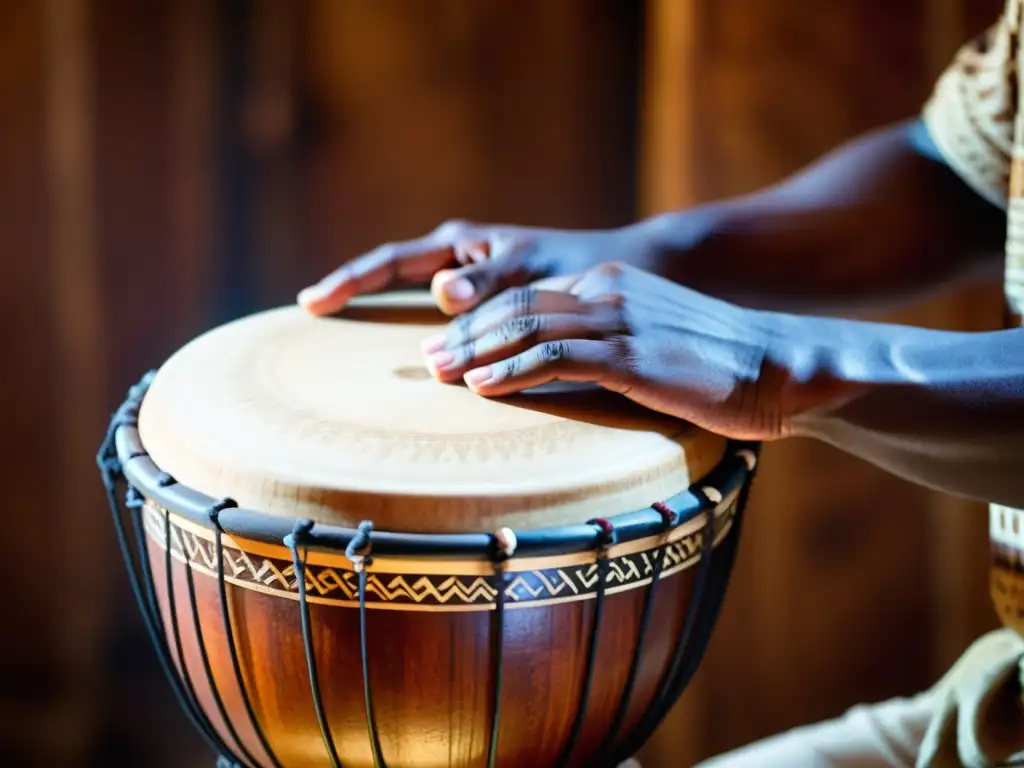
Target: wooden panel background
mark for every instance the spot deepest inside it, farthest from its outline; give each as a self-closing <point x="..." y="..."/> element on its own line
<point x="852" y="585"/>
<point x="167" y="166"/>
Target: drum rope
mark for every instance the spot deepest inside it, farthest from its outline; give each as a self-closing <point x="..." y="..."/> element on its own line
<point x="709" y="588"/>
<point x="605" y="539"/>
<point x="135" y="501"/>
<point x="668" y="519"/>
<point x="172" y="609"/>
<point x="663" y="697"/>
<point x="503" y="547"/>
<point x="360" y="552"/>
<point x="294" y="541"/>
<point x="229" y="635"/>
<point x="112" y="472"/>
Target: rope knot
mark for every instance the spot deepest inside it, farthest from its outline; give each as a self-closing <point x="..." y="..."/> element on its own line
<point x="606" y="532"/>
<point x="110" y="466"/>
<point x="360" y="548"/>
<point x="712" y="494"/>
<point x="299" y="532"/>
<point x="133" y="498"/>
<point x="668" y="517"/>
<point x="749" y="458"/>
<point x="217" y="508"/>
<point x="504" y="543"/>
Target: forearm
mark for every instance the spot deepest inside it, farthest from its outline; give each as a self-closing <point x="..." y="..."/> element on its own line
<point x="945" y="410"/>
<point x="875" y="222"/>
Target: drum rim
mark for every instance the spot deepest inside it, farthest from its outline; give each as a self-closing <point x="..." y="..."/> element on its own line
<point x="143" y="474"/>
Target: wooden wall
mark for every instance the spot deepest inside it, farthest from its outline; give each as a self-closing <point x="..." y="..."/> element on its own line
<point x="851" y="585"/>
<point x="167" y="166"/>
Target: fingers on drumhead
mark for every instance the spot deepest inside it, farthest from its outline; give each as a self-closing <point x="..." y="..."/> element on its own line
<point x="575" y="360"/>
<point x="508" y="306"/>
<point x="487" y="266"/>
<point x="413" y="261"/>
<point x="329" y="294"/>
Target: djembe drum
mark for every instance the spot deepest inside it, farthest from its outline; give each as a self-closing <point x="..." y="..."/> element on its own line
<point x="343" y="562"/>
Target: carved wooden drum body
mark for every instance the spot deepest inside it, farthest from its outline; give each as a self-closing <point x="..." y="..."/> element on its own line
<point x="343" y="562"/>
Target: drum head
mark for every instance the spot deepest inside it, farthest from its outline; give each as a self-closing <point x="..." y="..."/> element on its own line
<point x="338" y="420"/>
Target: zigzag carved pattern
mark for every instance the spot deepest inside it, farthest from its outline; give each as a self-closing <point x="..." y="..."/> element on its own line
<point x="276" y="575"/>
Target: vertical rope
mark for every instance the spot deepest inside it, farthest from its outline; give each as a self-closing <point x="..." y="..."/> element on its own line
<point x="229" y="632"/>
<point x="293" y="541"/>
<point x="359" y="552"/>
<point x="605" y="539"/>
<point x="186" y="676"/>
<point x="208" y="669"/>
<point x="111" y="474"/>
<point x="668" y="520"/>
<point x="663" y="696"/>
<point x="503" y="547"/>
<point x="714" y="572"/>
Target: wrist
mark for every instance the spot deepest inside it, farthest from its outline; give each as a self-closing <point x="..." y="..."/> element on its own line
<point x="815" y="366"/>
<point x="663" y="243"/>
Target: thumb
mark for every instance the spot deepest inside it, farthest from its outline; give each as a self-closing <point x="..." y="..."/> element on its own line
<point x="496" y="266"/>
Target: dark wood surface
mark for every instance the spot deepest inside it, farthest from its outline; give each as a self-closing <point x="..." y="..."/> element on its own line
<point x="431" y="673"/>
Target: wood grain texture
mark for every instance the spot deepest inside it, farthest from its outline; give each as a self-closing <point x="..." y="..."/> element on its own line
<point x="338" y="420"/>
<point x="431" y="673"/>
<point x="834" y="549"/>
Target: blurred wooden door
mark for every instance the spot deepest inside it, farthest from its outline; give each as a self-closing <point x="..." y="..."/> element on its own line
<point x="167" y="166"/>
<point x="852" y="585"/>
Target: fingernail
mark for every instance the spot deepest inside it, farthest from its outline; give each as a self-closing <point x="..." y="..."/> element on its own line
<point x="439" y="360"/>
<point x="310" y="295"/>
<point x="433" y="343"/>
<point x="477" y="376"/>
<point x="458" y="289"/>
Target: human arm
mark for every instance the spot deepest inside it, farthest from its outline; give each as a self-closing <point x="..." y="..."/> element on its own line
<point x="878" y="221"/>
<point x="941" y="409"/>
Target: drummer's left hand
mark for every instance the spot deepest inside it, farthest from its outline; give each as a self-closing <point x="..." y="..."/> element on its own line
<point x="662" y="345"/>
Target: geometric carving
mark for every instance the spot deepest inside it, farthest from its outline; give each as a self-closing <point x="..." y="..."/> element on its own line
<point x="336" y="585"/>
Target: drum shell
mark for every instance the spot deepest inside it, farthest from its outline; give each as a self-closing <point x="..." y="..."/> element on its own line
<point x="431" y="666"/>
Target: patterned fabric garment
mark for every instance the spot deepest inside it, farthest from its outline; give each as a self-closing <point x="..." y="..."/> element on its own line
<point x="975" y="120"/>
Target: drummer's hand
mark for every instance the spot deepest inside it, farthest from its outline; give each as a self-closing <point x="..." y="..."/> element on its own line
<point x="662" y="345"/>
<point x="467" y="263"/>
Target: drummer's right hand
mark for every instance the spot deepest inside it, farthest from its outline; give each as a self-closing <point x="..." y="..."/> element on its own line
<point x="466" y="263"/>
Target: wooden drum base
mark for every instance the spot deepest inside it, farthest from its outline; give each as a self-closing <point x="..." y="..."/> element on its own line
<point x="293" y="643"/>
<point x="344" y="563"/>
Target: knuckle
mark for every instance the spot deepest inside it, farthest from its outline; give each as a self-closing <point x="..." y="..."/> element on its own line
<point x="624" y="354"/>
<point x="521" y="300"/>
<point x="521" y="328"/>
<point x="465" y="354"/>
<point x="461" y="328"/>
<point x="513" y="367"/>
<point x="554" y="351"/>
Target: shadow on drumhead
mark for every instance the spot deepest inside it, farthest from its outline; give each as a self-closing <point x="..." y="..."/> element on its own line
<point x="402" y="307"/>
<point x="586" y="403"/>
<point x="595" y="405"/>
